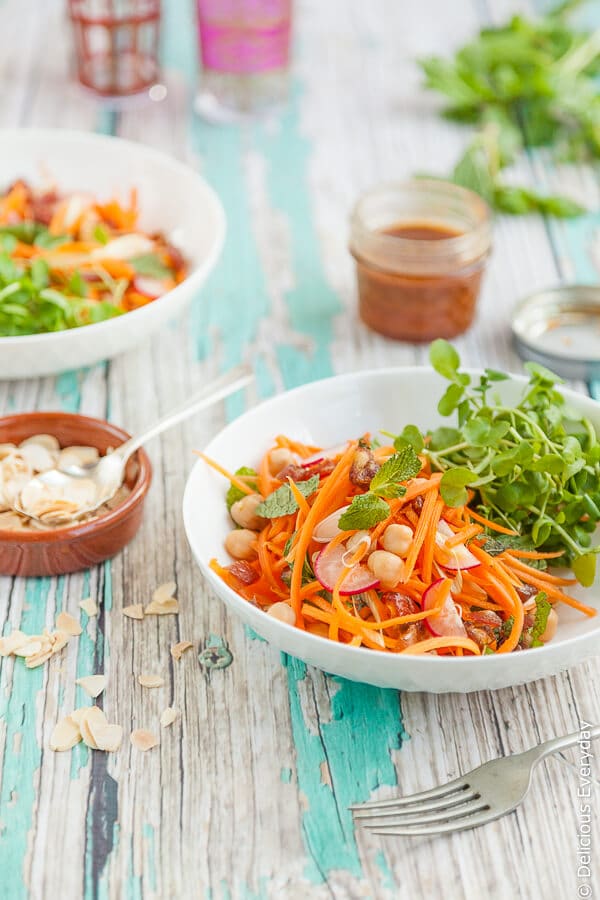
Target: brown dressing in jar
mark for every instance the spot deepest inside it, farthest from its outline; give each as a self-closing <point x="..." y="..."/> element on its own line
<point x="419" y="279"/>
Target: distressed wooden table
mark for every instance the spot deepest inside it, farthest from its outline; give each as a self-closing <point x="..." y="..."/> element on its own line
<point x="247" y="795"/>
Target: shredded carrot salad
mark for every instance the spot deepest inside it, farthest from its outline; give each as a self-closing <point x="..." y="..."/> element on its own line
<point x="68" y="260"/>
<point x="356" y="544"/>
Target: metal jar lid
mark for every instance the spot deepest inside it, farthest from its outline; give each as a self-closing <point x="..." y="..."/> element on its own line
<point x="560" y="328"/>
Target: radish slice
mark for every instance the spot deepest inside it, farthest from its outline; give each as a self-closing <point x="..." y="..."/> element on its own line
<point x="447" y="623"/>
<point x="331" y="453"/>
<point x="327" y="528"/>
<point x="329" y="566"/>
<point x="461" y="556"/>
<point x="150" y="287"/>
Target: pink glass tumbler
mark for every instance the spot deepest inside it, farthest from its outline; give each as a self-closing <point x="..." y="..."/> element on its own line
<point x="116" y="44"/>
<point x="245" y="51"/>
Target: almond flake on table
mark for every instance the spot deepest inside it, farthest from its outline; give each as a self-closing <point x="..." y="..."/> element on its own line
<point x="177" y="650"/>
<point x="12" y="642"/>
<point x="108" y="737"/>
<point x="134" y="611"/>
<point x="164" y="591"/>
<point x="151" y="681"/>
<point x="65" y="734"/>
<point x="66" y="622"/>
<point x="143" y="740"/>
<point x="89" y="606"/>
<point x="166" y="607"/>
<point x="93" y="685"/>
<point x="92" y="718"/>
<point x="168" y="716"/>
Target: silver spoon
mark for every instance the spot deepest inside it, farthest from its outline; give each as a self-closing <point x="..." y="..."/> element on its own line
<point x="106" y="474"/>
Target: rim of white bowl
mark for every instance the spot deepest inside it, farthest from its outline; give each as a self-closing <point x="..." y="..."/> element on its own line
<point x="197" y="276"/>
<point x="391" y="660"/>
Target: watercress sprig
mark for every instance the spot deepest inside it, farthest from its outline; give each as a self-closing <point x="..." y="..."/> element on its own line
<point x="533" y="463"/>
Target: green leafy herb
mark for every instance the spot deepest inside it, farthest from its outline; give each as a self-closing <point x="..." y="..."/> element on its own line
<point x="542" y="611"/>
<point x="234" y="493"/>
<point x="151" y="266"/>
<point x="400" y="467"/>
<point x="410" y="436"/>
<point x="365" y="511"/>
<point x="527" y="83"/>
<point x="533" y="465"/>
<point x="29" y="306"/>
<point x="282" y="502"/>
<point x="503" y="631"/>
<point x="101" y="234"/>
<point x="498" y="543"/>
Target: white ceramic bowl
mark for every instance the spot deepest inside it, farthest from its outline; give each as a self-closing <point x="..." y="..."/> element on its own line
<point x="326" y="413"/>
<point x="172" y="198"/>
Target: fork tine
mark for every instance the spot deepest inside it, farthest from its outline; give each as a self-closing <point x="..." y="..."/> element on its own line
<point x="439" y="816"/>
<point x="445" y="802"/>
<point x="442" y="790"/>
<point x="446" y="828"/>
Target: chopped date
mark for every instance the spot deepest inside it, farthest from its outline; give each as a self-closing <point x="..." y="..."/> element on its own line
<point x="323" y="468"/>
<point x="404" y="605"/>
<point x="482" y="635"/>
<point x="526" y="592"/>
<point x="243" y="571"/>
<point x="364" y="466"/>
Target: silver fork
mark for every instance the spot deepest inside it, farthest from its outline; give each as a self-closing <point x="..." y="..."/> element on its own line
<point x="488" y="792"/>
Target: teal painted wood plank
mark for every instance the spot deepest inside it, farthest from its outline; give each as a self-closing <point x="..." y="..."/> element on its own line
<point x="233" y="304"/>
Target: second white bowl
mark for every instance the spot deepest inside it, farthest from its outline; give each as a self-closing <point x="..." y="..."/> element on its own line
<point x="172" y="198"/>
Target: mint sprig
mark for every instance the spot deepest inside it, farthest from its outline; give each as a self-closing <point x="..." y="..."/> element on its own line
<point x="400" y="467"/>
<point x="282" y="502"/>
<point x="365" y="511"/>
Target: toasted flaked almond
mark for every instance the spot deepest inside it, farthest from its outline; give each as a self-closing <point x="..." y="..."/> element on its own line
<point x="33" y="646"/>
<point x="59" y="639"/>
<point x="66" y="622"/>
<point x="65" y="734"/>
<point x="177" y="650"/>
<point x="162" y="608"/>
<point x="151" y="681"/>
<point x="38" y="659"/>
<point x="164" y="591"/>
<point x="93" y="685"/>
<point x="91" y="718"/>
<point x="168" y="716"/>
<point x="77" y="714"/>
<point x="7" y="449"/>
<point x="89" y="606"/>
<point x="142" y="739"/>
<point x="12" y="642"/>
<point x="134" y="611"/>
<point x="108" y="737"/>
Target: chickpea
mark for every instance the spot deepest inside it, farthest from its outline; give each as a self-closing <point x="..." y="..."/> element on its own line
<point x="551" y="626"/>
<point x="243" y="512"/>
<point x="279" y="459"/>
<point x="386" y="567"/>
<point x="239" y="543"/>
<point x="283" y="612"/>
<point x="397" y="539"/>
<point x="356" y="539"/>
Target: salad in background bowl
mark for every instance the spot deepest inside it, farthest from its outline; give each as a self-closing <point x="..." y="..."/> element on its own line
<point x="102" y="242"/>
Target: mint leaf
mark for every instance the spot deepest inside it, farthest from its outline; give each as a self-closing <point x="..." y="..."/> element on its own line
<point x="151" y="266"/>
<point x="542" y="611"/>
<point x="400" y="467"/>
<point x="364" y="512"/>
<point x="282" y="502"/>
<point x="234" y="493"/>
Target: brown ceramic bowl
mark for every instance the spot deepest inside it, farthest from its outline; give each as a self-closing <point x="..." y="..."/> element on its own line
<point x="74" y="547"/>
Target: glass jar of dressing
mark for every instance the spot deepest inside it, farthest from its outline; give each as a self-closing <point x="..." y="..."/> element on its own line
<point x="420" y="248"/>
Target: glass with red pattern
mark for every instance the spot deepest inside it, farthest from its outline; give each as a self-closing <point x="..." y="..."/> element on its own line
<point x="116" y="45"/>
<point x="245" y="51"/>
